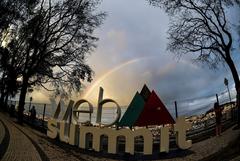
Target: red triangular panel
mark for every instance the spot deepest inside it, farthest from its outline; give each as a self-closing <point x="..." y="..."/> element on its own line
<point x="154" y="113"/>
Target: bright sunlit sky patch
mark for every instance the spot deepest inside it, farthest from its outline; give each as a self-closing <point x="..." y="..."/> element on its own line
<point x="132" y="51"/>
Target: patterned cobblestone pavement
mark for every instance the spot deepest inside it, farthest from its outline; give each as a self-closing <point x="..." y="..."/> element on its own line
<point x="20" y="147"/>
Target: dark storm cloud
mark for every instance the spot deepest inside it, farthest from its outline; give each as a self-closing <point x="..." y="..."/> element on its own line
<point x="184" y="80"/>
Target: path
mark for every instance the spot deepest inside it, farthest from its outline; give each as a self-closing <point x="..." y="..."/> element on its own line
<point x="22" y="143"/>
<point x="20" y="148"/>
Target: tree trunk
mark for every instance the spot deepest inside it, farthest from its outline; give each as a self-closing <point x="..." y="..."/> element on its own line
<point x="22" y="98"/>
<point x="2" y="97"/>
<point x="237" y="85"/>
<point x="2" y="90"/>
<point x="6" y="101"/>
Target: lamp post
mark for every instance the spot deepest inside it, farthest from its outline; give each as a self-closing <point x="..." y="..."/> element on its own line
<point x="229" y="95"/>
<point x="176" y="111"/>
<point x="30" y="103"/>
<point x="226" y="84"/>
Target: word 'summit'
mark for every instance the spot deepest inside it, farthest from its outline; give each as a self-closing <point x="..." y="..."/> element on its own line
<point x="75" y="133"/>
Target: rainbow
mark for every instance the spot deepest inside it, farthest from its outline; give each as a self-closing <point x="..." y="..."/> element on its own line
<point x="163" y="71"/>
<point x="99" y="80"/>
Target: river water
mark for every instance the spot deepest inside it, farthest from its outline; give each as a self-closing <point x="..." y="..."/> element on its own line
<point x="109" y="113"/>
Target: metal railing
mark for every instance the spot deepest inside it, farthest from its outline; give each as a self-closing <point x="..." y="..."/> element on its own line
<point x="199" y="125"/>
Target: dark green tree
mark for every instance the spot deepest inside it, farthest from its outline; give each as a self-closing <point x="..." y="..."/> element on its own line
<point x="11" y="13"/>
<point x="12" y="71"/>
<point x="53" y="41"/>
<point x="201" y="27"/>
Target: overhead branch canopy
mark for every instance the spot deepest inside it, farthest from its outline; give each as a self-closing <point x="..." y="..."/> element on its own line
<point x="199" y="26"/>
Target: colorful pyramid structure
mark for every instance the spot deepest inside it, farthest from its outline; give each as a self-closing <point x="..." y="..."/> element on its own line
<point x="146" y="109"/>
<point x="154" y="113"/>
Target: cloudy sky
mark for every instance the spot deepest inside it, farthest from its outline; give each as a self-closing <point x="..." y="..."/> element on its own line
<point x="132" y="52"/>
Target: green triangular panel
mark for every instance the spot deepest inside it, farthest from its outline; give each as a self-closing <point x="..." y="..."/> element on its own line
<point x="134" y="110"/>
